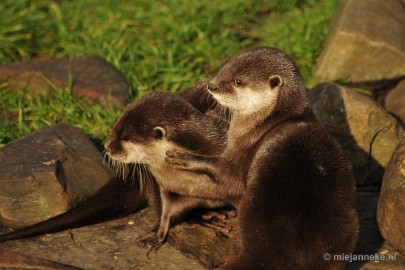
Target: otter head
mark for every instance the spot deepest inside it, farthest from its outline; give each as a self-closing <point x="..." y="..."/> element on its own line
<point x="136" y="132"/>
<point x="156" y="123"/>
<point x="255" y="80"/>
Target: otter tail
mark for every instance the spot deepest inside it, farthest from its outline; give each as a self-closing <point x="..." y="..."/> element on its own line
<point x="116" y="198"/>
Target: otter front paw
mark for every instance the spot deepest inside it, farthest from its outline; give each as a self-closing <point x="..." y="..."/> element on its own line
<point x="152" y="241"/>
<point x="180" y="160"/>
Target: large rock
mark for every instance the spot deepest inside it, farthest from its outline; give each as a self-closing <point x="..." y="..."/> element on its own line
<point x="395" y="101"/>
<point x="366" y="43"/>
<point x="110" y="245"/>
<point x="211" y="248"/>
<point x="90" y="77"/>
<point x="370" y="241"/>
<point x="46" y="172"/>
<point x="367" y="133"/>
<point x="391" y="205"/>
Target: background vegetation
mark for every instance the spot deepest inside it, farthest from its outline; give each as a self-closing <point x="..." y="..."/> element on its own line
<point x="158" y="45"/>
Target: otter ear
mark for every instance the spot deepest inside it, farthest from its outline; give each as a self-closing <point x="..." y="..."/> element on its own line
<point x="159" y="132"/>
<point x="275" y="81"/>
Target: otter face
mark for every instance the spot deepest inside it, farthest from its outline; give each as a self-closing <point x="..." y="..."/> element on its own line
<point x="156" y="123"/>
<point x="252" y="81"/>
<point x="136" y="147"/>
<point x="242" y="95"/>
<point x="140" y="133"/>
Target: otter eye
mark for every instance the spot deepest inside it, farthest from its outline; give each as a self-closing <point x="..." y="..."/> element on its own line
<point x="237" y="83"/>
<point x="159" y="132"/>
<point x="125" y="138"/>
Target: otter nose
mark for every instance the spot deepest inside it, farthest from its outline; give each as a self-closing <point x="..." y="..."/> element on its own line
<point x="212" y="87"/>
<point x="107" y="145"/>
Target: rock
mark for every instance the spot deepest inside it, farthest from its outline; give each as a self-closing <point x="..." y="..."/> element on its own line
<point x="90" y="77"/>
<point x="110" y="245"/>
<point x="46" y="172"/>
<point x="6" y="255"/>
<point x="367" y="133"/>
<point x="395" y="101"/>
<point x="366" y="43"/>
<point x="370" y="242"/>
<point x="209" y="247"/>
<point x="391" y="205"/>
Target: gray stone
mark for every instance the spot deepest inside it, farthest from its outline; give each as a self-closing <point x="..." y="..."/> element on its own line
<point x="209" y="247"/>
<point x="46" y="172"/>
<point x="91" y="78"/>
<point x="367" y="133"/>
<point x="395" y="101"/>
<point x="370" y="240"/>
<point x="391" y="205"/>
<point x="24" y="260"/>
<point x="110" y="245"/>
<point x="366" y="44"/>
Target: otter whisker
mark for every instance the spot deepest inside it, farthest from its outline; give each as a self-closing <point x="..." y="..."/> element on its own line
<point x="105" y="158"/>
<point x="141" y="180"/>
<point x="123" y="171"/>
<point x="132" y="171"/>
<point x="150" y="176"/>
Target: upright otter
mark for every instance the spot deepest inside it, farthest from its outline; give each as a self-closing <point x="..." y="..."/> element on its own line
<point x="293" y="188"/>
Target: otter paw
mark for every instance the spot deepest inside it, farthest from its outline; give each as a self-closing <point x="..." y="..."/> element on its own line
<point x="221" y="214"/>
<point x="213" y="223"/>
<point x="214" y="218"/>
<point x="152" y="241"/>
<point x="179" y="160"/>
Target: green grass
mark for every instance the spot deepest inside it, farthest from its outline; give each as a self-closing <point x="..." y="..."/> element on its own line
<point x="157" y="45"/>
<point x="301" y="33"/>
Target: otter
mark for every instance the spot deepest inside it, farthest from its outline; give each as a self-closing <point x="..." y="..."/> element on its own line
<point x="288" y="178"/>
<point x="120" y="197"/>
<point x="143" y="134"/>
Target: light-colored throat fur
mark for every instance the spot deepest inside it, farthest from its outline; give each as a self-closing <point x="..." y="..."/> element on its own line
<point x="248" y="126"/>
<point x="247" y="129"/>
